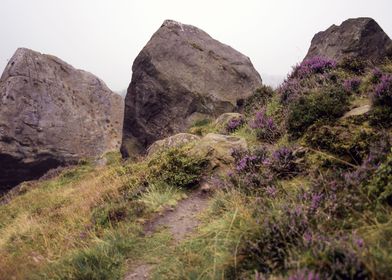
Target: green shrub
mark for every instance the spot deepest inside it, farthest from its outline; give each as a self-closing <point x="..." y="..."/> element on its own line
<point x="380" y="187"/>
<point x="326" y="105"/>
<point x="176" y="168"/>
<point x="381" y="116"/>
<point x="112" y="212"/>
<point x="258" y="99"/>
<point x="349" y="141"/>
<point x="355" y="65"/>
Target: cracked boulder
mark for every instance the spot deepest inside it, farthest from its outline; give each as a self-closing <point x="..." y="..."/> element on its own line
<point x="180" y="77"/>
<point x="52" y="114"/>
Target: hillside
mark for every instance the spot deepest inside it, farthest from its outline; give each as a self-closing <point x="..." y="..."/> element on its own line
<point x="310" y="199"/>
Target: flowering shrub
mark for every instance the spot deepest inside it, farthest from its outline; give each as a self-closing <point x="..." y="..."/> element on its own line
<point x="376" y="75"/>
<point x="265" y="127"/>
<point x="290" y="90"/>
<point x="283" y="163"/>
<point x="249" y="174"/>
<point x="352" y="84"/>
<point x="382" y="102"/>
<point x="234" y="124"/>
<point x="383" y="91"/>
<point x="314" y="65"/>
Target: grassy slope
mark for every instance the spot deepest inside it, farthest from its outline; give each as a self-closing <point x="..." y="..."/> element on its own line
<point x="86" y="223"/>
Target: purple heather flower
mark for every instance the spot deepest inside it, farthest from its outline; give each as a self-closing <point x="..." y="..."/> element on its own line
<point x="271" y="191"/>
<point x="308" y="237"/>
<point x="352" y="84"/>
<point x="234" y="124"/>
<point x="376" y="75"/>
<point x="314" y="65"/>
<point x="316" y="201"/>
<point x="265" y="126"/>
<point x="383" y="91"/>
<point x="359" y="242"/>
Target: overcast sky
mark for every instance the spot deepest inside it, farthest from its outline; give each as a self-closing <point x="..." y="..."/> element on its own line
<point x="105" y="36"/>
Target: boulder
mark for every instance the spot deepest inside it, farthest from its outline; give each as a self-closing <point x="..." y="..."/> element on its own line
<point x="52" y="114"/>
<point x="181" y="76"/>
<point x="354" y="38"/>
<point x="172" y="142"/>
<point x="218" y="149"/>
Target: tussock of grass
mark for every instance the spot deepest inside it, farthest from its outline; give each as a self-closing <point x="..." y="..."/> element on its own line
<point x="159" y="196"/>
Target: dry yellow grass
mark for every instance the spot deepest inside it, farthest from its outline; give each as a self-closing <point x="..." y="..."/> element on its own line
<point x="48" y="221"/>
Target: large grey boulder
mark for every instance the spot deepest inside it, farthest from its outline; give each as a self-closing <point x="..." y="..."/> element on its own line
<point x="52" y="114"/>
<point x="354" y="38"/>
<point x="181" y="76"/>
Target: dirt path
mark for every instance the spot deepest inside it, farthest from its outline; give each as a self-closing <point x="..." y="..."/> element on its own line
<point x="181" y="221"/>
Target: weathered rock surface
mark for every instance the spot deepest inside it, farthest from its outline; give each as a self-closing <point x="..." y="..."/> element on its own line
<point x="172" y="142"/>
<point x="358" y="38"/>
<point x="52" y="114"/>
<point x="218" y="149"/>
<point x="182" y="75"/>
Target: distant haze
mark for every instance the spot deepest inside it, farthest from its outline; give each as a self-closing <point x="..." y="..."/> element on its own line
<point x="104" y="37"/>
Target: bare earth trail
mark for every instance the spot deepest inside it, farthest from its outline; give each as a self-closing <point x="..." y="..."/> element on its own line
<point x="181" y="222"/>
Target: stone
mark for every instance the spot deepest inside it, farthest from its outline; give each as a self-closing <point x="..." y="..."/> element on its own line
<point x="51" y="115"/>
<point x="171" y="142"/>
<point x="181" y="76"/>
<point x="218" y="149"/>
<point x="355" y="38"/>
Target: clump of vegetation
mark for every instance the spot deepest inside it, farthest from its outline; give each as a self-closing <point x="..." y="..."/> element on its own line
<point x="265" y="127"/>
<point x="258" y="99"/>
<point x="176" y="168"/>
<point x="350" y="141"/>
<point x="327" y="105"/>
<point x="354" y="65"/>
<point x="234" y="124"/>
<point x="352" y="85"/>
<point x="314" y="65"/>
<point x="381" y="99"/>
<point x="380" y="186"/>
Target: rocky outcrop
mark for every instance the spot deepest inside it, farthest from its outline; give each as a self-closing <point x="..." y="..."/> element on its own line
<point x="172" y="142"/>
<point x="358" y="38"/>
<point x="181" y="76"/>
<point x="218" y="149"/>
<point x="52" y="114"/>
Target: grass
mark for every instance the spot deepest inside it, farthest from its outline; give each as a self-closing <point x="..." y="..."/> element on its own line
<point x="85" y="223"/>
<point x="159" y="196"/>
<point x="211" y="252"/>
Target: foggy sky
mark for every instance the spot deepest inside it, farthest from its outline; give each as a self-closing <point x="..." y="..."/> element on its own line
<point x="104" y="37"/>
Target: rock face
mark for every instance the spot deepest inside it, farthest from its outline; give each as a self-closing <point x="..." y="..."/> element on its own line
<point x="182" y="75"/>
<point x="52" y="114"/>
<point x="359" y="37"/>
